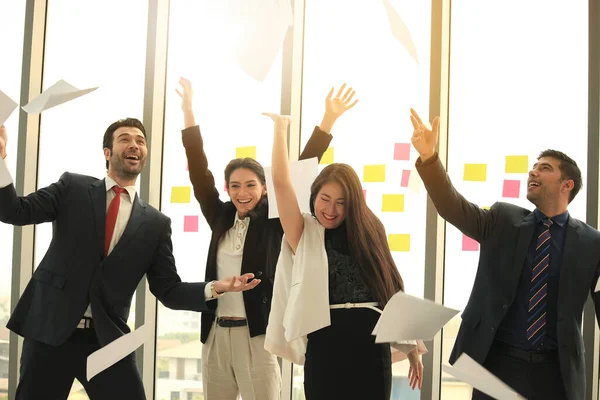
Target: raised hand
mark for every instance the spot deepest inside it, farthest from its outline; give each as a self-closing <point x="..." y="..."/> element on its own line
<point x="415" y="373"/>
<point x="341" y="103"/>
<point x="3" y="141"/>
<point x="186" y="94"/>
<point x="424" y="139"/>
<point x="236" y="283"/>
<point x="281" y="121"/>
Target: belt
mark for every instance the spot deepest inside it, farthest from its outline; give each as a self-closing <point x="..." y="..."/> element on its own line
<point x="531" y="356"/>
<point x="231" y="323"/>
<point x="372" y="306"/>
<point x="85" y="323"/>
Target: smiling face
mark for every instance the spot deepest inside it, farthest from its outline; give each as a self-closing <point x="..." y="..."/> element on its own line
<point x="127" y="157"/>
<point x="245" y="190"/>
<point x="545" y="184"/>
<point x="330" y="207"/>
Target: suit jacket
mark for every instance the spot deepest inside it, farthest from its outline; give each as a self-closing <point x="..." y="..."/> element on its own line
<point x="504" y="233"/>
<point x="263" y="239"/>
<point x="74" y="271"/>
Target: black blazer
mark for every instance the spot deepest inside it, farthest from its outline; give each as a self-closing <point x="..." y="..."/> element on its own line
<point x="74" y="272"/>
<point x="263" y="240"/>
<point x="504" y="233"/>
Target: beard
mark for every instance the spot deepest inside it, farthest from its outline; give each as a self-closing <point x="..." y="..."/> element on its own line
<point x="120" y="166"/>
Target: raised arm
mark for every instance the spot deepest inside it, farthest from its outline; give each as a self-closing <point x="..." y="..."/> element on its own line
<point x="289" y="212"/>
<point x="335" y="107"/>
<point x="201" y="178"/>
<point x="451" y="205"/>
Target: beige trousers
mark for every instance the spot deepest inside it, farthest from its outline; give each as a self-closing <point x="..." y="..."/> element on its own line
<point x="235" y="364"/>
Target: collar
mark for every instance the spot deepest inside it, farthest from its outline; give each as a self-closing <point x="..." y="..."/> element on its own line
<point x="131" y="190"/>
<point x="560" y="219"/>
<point x="237" y="220"/>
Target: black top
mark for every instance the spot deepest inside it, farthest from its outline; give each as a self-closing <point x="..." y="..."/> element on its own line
<point x="346" y="284"/>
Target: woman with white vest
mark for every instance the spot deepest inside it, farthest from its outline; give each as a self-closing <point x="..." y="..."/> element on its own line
<point x="334" y="274"/>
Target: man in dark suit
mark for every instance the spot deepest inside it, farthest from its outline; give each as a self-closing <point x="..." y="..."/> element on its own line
<point x="105" y="238"/>
<point x="523" y="319"/>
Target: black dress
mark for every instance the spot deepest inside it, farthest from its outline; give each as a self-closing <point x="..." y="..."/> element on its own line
<point x="342" y="360"/>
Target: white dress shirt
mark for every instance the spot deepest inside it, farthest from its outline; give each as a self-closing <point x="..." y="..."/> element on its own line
<point x="5" y="178"/>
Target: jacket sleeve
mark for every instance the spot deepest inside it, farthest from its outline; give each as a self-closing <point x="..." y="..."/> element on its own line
<point x="317" y="144"/>
<point x="201" y="177"/>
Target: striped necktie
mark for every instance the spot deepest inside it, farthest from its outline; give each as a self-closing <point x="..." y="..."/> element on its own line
<point x="536" y="316"/>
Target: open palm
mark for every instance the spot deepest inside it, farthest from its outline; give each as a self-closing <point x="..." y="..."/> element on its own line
<point x="341" y="103"/>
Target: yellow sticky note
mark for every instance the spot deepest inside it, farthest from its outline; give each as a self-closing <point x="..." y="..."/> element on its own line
<point x="181" y="194"/>
<point x="243" y="152"/>
<point x="475" y="172"/>
<point x="374" y="173"/>
<point x="327" y="156"/>
<point x="485" y="207"/>
<point x="399" y="241"/>
<point x="392" y="203"/>
<point x="516" y="164"/>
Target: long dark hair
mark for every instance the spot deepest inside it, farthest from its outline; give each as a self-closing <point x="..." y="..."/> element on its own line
<point x="366" y="234"/>
<point x="254" y="166"/>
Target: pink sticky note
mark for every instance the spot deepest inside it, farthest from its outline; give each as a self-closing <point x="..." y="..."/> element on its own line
<point x="511" y="188"/>
<point x="190" y="223"/>
<point x="401" y="151"/>
<point x="187" y="166"/>
<point x="469" y="244"/>
<point x="405" y="177"/>
<point x="225" y="185"/>
<point x="365" y="193"/>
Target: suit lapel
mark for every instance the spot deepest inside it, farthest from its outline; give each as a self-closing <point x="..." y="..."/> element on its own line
<point x="526" y="229"/>
<point x="137" y="219"/>
<point x="98" y="197"/>
<point x="569" y="255"/>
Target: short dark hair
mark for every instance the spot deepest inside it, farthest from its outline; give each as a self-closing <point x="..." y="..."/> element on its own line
<point x="568" y="169"/>
<point x="248" y="163"/>
<point x="107" y="142"/>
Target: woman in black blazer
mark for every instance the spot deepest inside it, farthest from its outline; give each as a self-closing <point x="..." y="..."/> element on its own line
<point x="234" y="361"/>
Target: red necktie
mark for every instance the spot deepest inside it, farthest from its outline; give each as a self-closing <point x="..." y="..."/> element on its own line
<point x="111" y="217"/>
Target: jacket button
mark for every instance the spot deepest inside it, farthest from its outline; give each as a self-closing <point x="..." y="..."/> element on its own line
<point x="259" y="273"/>
<point x="505" y="306"/>
<point x="493" y="329"/>
<point x="265" y="300"/>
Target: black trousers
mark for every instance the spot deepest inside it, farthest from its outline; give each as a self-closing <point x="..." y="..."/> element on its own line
<point x="534" y="381"/>
<point x="47" y="372"/>
<point x="344" y="362"/>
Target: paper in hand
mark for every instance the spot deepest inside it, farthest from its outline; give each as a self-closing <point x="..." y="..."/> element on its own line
<point x="7" y="106"/>
<point x="115" y="351"/>
<point x="469" y="371"/>
<point x="303" y="174"/>
<point x="59" y="93"/>
<point x="407" y="317"/>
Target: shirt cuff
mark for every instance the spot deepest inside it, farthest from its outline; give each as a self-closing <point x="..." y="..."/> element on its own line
<point x="5" y="178"/>
<point x="208" y="292"/>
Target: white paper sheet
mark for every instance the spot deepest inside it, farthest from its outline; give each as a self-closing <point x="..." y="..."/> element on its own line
<point x="57" y="94"/>
<point x="263" y="37"/>
<point x="469" y="371"/>
<point x="400" y="30"/>
<point x="115" y="351"/>
<point x="597" y="289"/>
<point x="414" y="181"/>
<point x="407" y="317"/>
<point x="7" y="106"/>
<point x="303" y="174"/>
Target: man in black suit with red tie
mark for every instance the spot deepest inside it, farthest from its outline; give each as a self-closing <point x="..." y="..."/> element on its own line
<point x="105" y="239"/>
<point x="536" y="270"/>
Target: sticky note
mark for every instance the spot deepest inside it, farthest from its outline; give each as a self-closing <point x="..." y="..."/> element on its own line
<point x="190" y="223"/>
<point x="225" y="185"/>
<point x="392" y="203"/>
<point x="180" y="194"/>
<point x="365" y="193"/>
<point x="405" y="178"/>
<point x="516" y="164"/>
<point x="475" y="172"/>
<point x="511" y="188"/>
<point x="469" y="244"/>
<point x="327" y="156"/>
<point x="399" y="241"/>
<point x="187" y="166"/>
<point x="402" y="151"/>
<point x="485" y="207"/>
<point x="242" y="152"/>
<point x="374" y="173"/>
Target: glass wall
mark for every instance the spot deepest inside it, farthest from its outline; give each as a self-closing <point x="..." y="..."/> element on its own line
<point x="513" y="93"/>
<point x="382" y="50"/>
<point x="229" y="97"/>
<point x="12" y="23"/>
<point x="108" y="51"/>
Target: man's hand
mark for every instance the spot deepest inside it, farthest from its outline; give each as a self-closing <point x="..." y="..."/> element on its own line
<point x="424" y="139"/>
<point x="236" y="284"/>
<point x="3" y="141"/>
